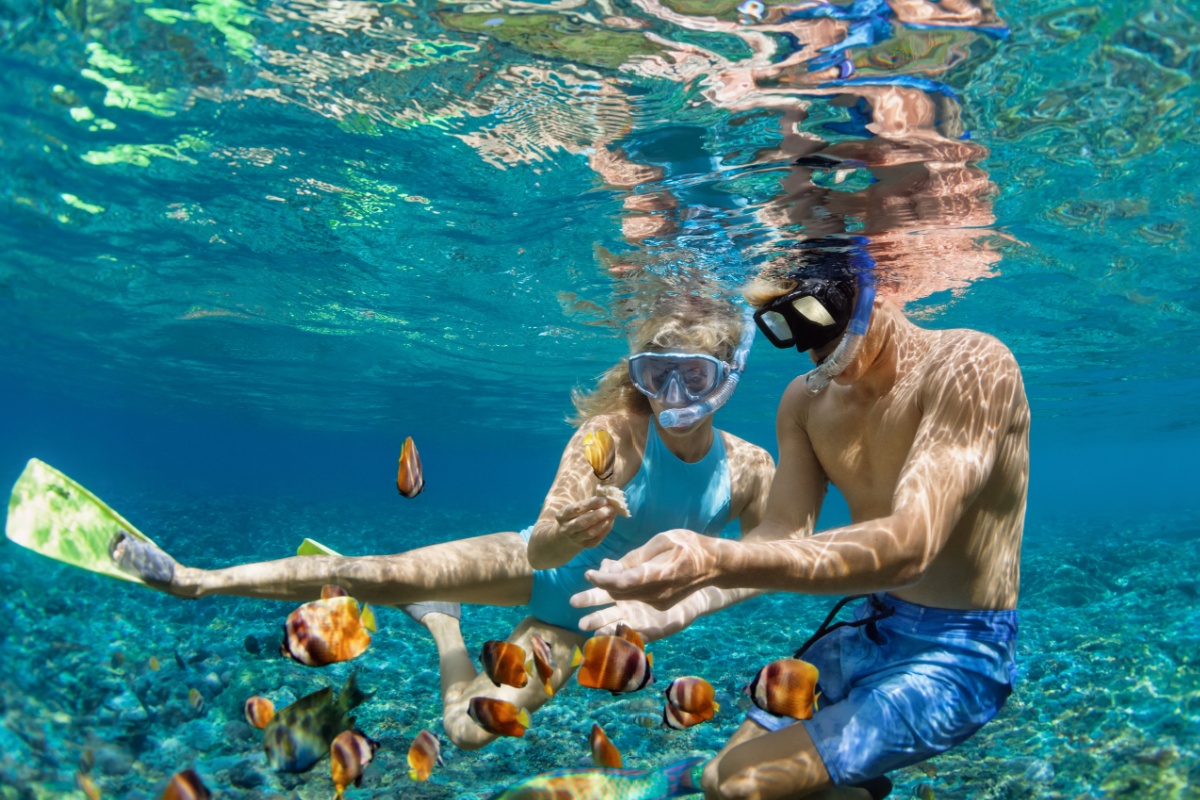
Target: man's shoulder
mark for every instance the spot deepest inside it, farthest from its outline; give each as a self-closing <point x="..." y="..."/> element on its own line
<point x="970" y="347"/>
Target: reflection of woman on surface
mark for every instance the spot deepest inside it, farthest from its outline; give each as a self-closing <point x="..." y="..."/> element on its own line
<point x="695" y="477"/>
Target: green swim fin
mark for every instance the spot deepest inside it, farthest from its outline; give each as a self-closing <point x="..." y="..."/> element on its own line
<point x="53" y="515"/>
<point x="311" y="547"/>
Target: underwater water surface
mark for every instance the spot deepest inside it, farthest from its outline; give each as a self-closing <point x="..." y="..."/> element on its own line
<point x="247" y="248"/>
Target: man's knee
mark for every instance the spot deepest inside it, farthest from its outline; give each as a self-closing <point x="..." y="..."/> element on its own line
<point x="464" y="732"/>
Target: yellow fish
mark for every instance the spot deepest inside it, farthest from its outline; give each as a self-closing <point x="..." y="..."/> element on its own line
<point x="786" y="688"/>
<point x="600" y="450"/>
<point x="349" y="753"/>
<point x="604" y="752"/>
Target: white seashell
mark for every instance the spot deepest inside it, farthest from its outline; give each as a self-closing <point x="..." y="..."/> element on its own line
<point x="615" y="497"/>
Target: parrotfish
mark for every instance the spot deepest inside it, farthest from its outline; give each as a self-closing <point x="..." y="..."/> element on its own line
<point x="677" y="780"/>
<point x="300" y="735"/>
<point x="259" y="711"/>
<point x="693" y="695"/>
<point x="604" y="752"/>
<point x="498" y="716"/>
<point x="425" y="752"/>
<point x="786" y="687"/>
<point x="349" y="753"/>
<point x="600" y="450"/>
<point x="328" y="630"/>
<point x="186" y="785"/>
<point x="612" y="663"/>
<point x="410" y="478"/>
<point x="504" y="663"/>
<point x="543" y="661"/>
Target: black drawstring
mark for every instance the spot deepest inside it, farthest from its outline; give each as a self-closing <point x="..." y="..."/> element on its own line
<point x="869" y="621"/>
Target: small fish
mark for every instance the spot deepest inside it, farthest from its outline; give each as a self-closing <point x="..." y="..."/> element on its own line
<point x="693" y="695"/>
<point x="118" y="659"/>
<point x="349" y="753"/>
<point x="786" y="687"/>
<point x="259" y="711"/>
<point x="300" y="735"/>
<point x="929" y="768"/>
<point x="754" y="9"/>
<point x="600" y="450"/>
<point x="498" y="716"/>
<point x="88" y="786"/>
<point x="612" y="663"/>
<point x="923" y="791"/>
<point x="604" y="752"/>
<point x="154" y="665"/>
<point x="195" y="699"/>
<point x="646" y="720"/>
<point x="677" y="780"/>
<point x="410" y="478"/>
<point x="504" y="663"/>
<point x="543" y="661"/>
<point x="676" y="718"/>
<point x="425" y="752"/>
<point x="186" y="785"/>
<point x="327" y="631"/>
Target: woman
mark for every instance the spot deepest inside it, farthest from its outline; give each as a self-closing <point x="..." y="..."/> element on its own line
<point x="693" y="477"/>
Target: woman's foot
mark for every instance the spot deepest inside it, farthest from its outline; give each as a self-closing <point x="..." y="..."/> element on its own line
<point x="418" y="611"/>
<point x="142" y="558"/>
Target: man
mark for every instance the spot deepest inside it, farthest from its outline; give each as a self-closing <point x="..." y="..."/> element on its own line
<point x="926" y="434"/>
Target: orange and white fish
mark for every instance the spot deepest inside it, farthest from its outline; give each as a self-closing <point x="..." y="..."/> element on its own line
<point x="600" y="450"/>
<point x="425" y="752"/>
<point x="604" y="752"/>
<point x="693" y="695"/>
<point x="612" y="663"/>
<point x="504" y="663"/>
<point x="349" y="754"/>
<point x="543" y="661"/>
<point x="786" y="688"/>
<point x="678" y="719"/>
<point x="410" y="477"/>
<point x="186" y="785"/>
<point x="327" y="631"/>
<point x="498" y="716"/>
<point x="259" y="711"/>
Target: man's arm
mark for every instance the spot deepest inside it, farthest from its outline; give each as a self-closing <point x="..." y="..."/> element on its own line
<point x="968" y="411"/>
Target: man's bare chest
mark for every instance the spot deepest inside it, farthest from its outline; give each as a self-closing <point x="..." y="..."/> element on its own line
<point x="863" y="447"/>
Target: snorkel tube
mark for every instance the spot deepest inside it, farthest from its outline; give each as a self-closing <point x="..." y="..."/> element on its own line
<point x="682" y="417"/>
<point x="856" y="329"/>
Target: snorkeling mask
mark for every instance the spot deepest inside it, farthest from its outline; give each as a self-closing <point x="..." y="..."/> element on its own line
<point x="676" y="379"/>
<point x="821" y="309"/>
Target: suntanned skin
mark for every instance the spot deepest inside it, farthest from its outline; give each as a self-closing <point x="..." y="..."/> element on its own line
<point x="497" y="569"/>
<point x="926" y="434"/>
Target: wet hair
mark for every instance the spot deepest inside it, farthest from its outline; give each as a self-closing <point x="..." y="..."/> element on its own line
<point x="678" y="322"/>
<point x="829" y="258"/>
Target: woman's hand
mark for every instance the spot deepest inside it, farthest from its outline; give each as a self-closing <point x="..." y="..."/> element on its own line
<point x="662" y="572"/>
<point x="585" y="523"/>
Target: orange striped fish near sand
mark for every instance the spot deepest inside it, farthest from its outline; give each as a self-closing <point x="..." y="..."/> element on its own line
<point x="504" y="663"/>
<point x="693" y="695"/>
<point x="786" y="688"/>
<point x="498" y="716"/>
<point x="349" y="754"/>
<point x="328" y="630"/>
<point x="613" y="663"/>
<point x="604" y="752"/>
<point x="543" y="661"/>
<point x="423" y="755"/>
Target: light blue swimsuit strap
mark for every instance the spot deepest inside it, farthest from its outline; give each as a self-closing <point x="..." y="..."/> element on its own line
<point x="666" y="493"/>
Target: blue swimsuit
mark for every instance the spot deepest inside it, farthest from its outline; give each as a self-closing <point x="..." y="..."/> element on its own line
<point x="665" y="493"/>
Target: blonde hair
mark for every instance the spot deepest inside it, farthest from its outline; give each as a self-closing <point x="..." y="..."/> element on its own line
<point x="686" y="322"/>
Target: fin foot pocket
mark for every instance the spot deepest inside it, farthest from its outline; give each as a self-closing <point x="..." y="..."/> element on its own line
<point x="141" y="558"/>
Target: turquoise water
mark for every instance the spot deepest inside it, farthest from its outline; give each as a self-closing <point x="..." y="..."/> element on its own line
<point x="249" y="247"/>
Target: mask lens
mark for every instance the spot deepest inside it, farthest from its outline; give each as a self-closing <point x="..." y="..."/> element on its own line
<point x="813" y="310"/>
<point x="778" y="325"/>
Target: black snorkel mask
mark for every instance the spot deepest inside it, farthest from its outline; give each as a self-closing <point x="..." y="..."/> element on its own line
<point x="810" y="316"/>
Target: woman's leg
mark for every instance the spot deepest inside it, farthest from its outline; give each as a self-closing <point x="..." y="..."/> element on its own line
<point x="460" y="682"/>
<point x="491" y="570"/>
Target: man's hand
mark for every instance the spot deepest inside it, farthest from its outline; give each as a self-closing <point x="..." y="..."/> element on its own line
<point x="586" y="523"/>
<point x="662" y="572"/>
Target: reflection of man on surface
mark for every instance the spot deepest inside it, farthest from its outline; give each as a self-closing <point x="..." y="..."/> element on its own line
<point x="926" y="435"/>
